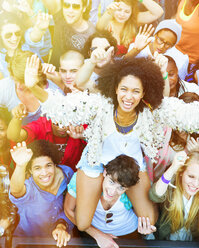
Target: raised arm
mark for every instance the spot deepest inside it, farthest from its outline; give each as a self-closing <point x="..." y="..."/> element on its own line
<point x="104" y="21"/>
<point x="31" y="78"/>
<point x="40" y="27"/>
<point x="83" y="76"/>
<point x="162" y="184"/>
<point x="154" y="11"/>
<point x="21" y="156"/>
<point x="15" y="131"/>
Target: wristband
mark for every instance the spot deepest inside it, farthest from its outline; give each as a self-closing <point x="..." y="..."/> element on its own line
<point x="140" y="1"/>
<point x="165" y="180"/>
<point x="165" y="77"/>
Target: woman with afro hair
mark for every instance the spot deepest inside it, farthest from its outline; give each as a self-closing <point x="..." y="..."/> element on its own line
<point x="134" y="116"/>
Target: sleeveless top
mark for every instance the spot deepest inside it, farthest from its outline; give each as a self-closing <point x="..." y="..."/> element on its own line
<point x="188" y="43"/>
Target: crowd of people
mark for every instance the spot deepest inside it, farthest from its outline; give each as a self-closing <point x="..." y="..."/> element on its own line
<point x="99" y="119"/>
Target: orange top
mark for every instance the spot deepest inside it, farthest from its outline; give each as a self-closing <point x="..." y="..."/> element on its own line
<point x="189" y="42"/>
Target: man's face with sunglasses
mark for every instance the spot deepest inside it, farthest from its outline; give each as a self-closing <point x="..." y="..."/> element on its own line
<point x="11" y="36"/>
<point x="72" y="11"/>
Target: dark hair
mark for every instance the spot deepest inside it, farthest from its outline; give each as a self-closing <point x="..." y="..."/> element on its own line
<point x="11" y="18"/>
<point x="86" y="4"/>
<point x="42" y="148"/>
<point x="143" y="68"/>
<point x="5" y="115"/>
<point x="176" y="139"/>
<point x="124" y="170"/>
<point x="99" y="34"/>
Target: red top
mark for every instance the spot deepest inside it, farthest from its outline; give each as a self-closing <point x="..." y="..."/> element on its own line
<point x="42" y="129"/>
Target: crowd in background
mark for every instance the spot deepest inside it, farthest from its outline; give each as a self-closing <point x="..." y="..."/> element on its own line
<point x="116" y="154"/>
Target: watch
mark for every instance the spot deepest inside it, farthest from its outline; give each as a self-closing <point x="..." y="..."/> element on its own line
<point x="2" y="230"/>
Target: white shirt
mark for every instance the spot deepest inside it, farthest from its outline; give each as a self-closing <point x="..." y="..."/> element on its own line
<point x="183" y="234"/>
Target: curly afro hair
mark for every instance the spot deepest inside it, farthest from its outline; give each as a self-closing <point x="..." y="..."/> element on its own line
<point x="44" y="148"/>
<point x="124" y="170"/>
<point x="145" y="69"/>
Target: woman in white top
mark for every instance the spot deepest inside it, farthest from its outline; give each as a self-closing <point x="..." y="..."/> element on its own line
<point x="139" y="114"/>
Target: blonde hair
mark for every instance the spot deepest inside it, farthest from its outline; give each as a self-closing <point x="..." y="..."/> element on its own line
<point x="130" y="27"/>
<point x="17" y="67"/>
<point x="174" y="202"/>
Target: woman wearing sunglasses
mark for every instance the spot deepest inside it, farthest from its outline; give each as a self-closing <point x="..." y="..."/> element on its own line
<point x="180" y="200"/>
<point x="114" y="216"/>
<point x="13" y="36"/>
<point x="122" y="18"/>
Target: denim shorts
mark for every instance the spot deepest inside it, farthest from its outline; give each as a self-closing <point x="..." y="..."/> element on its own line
<point x="91" y="171"/>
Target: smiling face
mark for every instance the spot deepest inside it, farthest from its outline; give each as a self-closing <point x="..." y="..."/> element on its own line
<point x="11" y="36"/>
<point x="43" y="171"/>
<point x="3" y="135"/>
<point x="190" y="180"/>
<point x="123" y="13"/>
<point x="164" y="40"/>
<point x="111" y="188"/>
<point x="129" y="93"/>
<point x="73" y="11"/>
<point x="172" y="75"/>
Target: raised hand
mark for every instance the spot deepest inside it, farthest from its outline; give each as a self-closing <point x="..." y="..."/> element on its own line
<point x="75" y="132"/>
<point x="48" y="68"/>
<point x="161" y="61"/>
<point x="61" y="235"/>
<point x="20" y="154"/>
<point x="192" y="145"/>
<point x="24" y="6"/>
<point x="144" y="226"/>
<point x="99" y="55"/>
<point x="143" y="38"/>
<point x="31" y="72"/>
<point x="19" y="112"/>
<point x="42" y="21"/>
<point x="179" y="160"/>
<point x="111" y="8"/>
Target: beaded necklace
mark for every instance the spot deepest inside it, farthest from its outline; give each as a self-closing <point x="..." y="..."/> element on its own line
<point x="124" y="129"/>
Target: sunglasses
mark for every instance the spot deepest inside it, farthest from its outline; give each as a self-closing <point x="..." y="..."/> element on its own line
<point x="107" y="218"/>
<point x="93" y="48"/>
<point x="9" y="35"/>
<point x="74" y="5"/>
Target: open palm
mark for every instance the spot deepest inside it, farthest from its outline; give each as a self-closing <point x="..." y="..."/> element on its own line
<point x="20" y="154"/>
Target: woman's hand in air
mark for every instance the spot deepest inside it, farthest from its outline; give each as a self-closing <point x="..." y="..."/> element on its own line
<point x="144" y="226"/>
<point x="111" y="8"/>
<point x="179" y="160"/>
<point x="143" y="38"/>
<point x="161" y="61"/>
<point x="192" y="145"/>
<point x="43" y="21"/>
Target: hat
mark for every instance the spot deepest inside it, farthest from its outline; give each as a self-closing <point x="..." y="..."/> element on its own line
<point x="172" y="25"/>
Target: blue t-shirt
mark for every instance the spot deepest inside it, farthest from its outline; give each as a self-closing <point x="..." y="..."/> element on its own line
<point x="39" y="210"/>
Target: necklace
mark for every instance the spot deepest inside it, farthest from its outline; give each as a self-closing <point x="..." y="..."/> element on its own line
<point x="124" y="129"/>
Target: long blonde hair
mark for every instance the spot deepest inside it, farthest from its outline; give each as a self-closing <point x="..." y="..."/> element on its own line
<point x="174" y="202"/>
<point x="130" y="27"/>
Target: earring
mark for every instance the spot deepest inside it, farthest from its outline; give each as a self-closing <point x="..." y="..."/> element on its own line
<point x="147" y="104"/>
